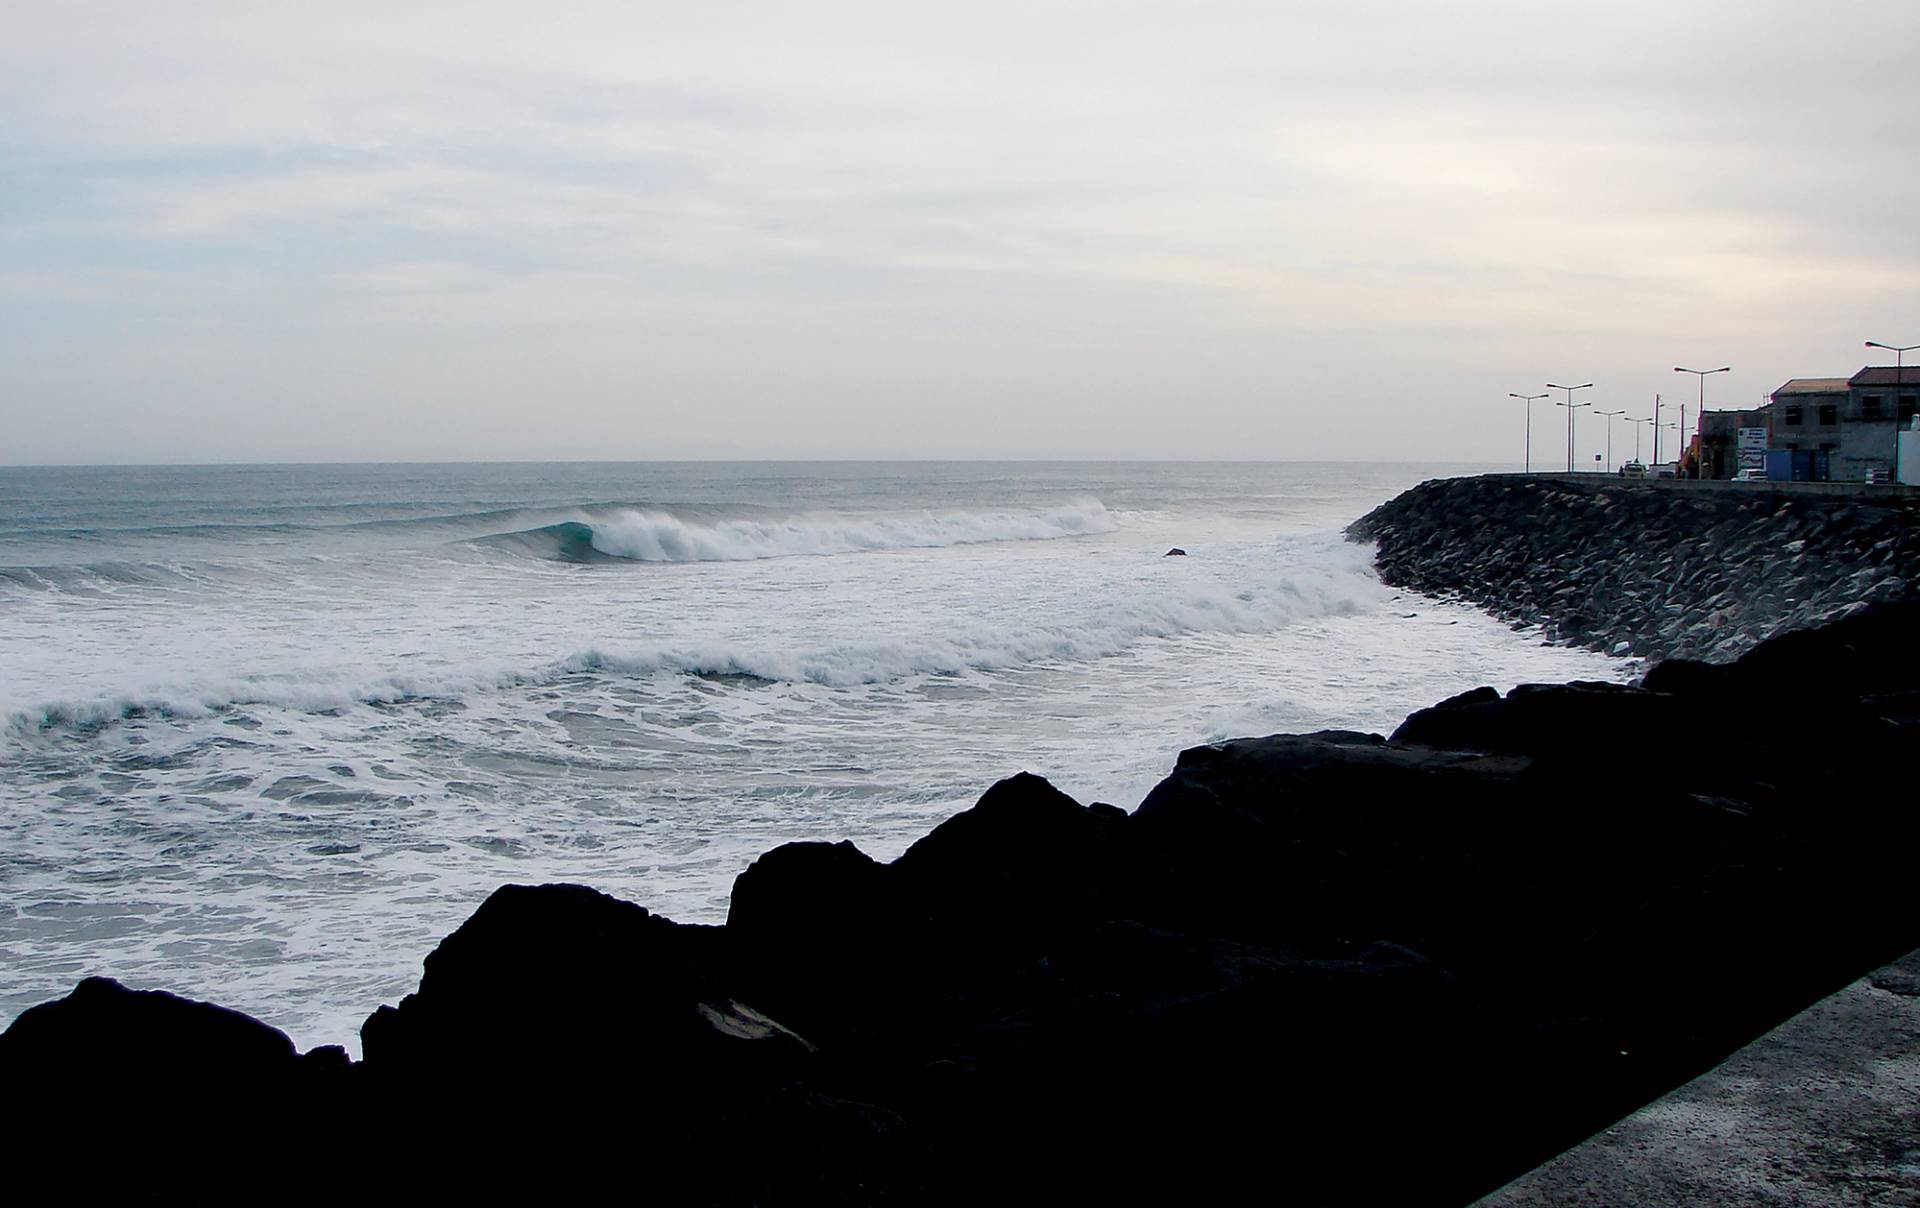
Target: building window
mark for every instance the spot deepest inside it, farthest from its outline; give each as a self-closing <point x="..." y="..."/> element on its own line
<point x="1908" y="408"/>
<point x="1829" y="415"/>
<point x="1869" y="406"/>
<point x="1793" y="417"/>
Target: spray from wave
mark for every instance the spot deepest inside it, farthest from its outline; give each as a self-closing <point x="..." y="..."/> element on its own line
<point x="658" y="536"/>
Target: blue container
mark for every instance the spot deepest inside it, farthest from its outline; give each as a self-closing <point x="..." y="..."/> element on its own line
<point x="1779" y="465"/>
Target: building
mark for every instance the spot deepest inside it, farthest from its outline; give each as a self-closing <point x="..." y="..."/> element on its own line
<point x="1843" y="429"/>
<point x="1718" y="444"/>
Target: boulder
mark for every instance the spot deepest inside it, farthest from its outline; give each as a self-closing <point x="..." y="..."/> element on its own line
<point x="561" y="985"/>
<point x="106" y="1034"/>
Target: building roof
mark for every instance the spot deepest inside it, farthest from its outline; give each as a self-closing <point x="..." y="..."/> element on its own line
<point x="1882" y="375"/>
<point x="1816" y="386"/>
<point x="1725" y="422"/>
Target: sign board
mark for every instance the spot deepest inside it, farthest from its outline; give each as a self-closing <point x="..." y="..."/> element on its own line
<point x="1752" y="450"/>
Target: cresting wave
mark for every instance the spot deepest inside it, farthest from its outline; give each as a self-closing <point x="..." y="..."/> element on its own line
<point x="1302" y="594"/>
<point x="647" y="535"/>
<point x="589" y="533"/>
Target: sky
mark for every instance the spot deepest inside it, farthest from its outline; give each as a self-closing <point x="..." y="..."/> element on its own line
<point x="278" y="232"/>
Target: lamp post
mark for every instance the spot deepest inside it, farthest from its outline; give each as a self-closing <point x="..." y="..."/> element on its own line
<point x="1899" y="352"/>
<point x="1569" y="405"/>
<point x="1527" y="401"/>
<point x="1700" y="416"/>
<point x="1636" y="436"/>
<point x="1609" y="415"/>
<point x="1656" y="429"/>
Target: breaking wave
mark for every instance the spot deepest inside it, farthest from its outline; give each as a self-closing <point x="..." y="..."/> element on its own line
<point x="659" y="536"/>
<point x="589" y="533"/>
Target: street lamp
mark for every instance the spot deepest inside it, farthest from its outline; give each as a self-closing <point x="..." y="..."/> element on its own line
<point x="1636" y="436"/>
<point x="1569" y="405"/>
<point x="1899" y="352"/>
<point x="1528" y="400"/>
<point x="1702" y="375"/>
<point x="1609" y="415"/>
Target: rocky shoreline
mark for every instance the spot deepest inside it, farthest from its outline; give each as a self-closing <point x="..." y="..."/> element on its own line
<point x="1325" y="968"/>
<point x="1653" y="569"/>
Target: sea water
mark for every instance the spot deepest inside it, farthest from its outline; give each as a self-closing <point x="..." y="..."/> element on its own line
<point x="268" y="732"/>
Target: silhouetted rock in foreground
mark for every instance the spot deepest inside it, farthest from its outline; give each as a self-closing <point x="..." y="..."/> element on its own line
<point x="106" y="1032"/>
<point x="1326" y="968"/>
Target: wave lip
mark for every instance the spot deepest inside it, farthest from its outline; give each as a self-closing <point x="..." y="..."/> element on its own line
<point x="637" y="535"/>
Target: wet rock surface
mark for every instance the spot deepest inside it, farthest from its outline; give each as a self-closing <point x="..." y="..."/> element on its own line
<point x="1323" y="968"/>
<point x="1700" y="571"/>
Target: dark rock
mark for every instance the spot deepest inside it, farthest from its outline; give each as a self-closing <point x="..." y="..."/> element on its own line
<point x="328" y="1057"/>
<point x="105" y="1033"/>
<point x="556" y="985"/>
<point x="1868" y="651"/>
<point x="821" y="928"/>
<point x="1691" y="572"/>
<point x="1466" y="944"/>
<point x="1176" y="552"/>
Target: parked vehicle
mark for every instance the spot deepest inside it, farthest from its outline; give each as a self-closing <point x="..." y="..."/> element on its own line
<point x="1633" y="469"/>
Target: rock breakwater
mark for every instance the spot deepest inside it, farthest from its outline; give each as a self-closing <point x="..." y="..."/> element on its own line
<point x="1653" y="569"/>
<point x="1322" y="968"/>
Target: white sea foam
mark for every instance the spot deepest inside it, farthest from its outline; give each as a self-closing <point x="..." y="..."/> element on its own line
<point x="655" y="536"/>
<point x="1332" y="579"/>
<point x="274" y="769"/>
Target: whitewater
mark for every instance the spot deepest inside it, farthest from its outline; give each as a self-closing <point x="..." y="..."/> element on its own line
<point x="268" y="732"/>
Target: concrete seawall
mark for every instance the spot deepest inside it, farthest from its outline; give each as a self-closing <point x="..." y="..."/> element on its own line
<point x="1886" y="492"/>
<point x="1651" y="568"/>
<point x="1821" y="1112"/>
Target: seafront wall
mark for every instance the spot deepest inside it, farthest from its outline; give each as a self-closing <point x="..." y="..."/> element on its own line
<point x="1655" y="569"/>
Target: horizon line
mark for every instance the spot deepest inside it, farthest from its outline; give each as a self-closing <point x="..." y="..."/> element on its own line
<point x="672" y="461"/>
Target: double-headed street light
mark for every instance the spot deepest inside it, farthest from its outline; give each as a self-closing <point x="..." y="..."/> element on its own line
<point x="1570" y="405"/>
<point x="1528" y="400"/>
<point x="1609" y="415"/>
<point x="1899" y="352"/>
<point x="1636" y="436"/>
<point x="1703" y="375"/>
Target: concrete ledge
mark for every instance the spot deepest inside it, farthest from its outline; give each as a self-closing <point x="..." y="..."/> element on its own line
<point x="1822" y="1111"/>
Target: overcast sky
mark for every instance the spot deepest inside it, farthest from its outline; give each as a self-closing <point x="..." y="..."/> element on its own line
<point x="638" y="230"/>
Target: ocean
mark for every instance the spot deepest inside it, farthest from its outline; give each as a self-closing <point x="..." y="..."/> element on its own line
<point x="268" y="732"/>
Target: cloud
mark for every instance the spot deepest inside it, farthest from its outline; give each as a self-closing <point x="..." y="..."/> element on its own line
<point x="1057" y="201"/>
